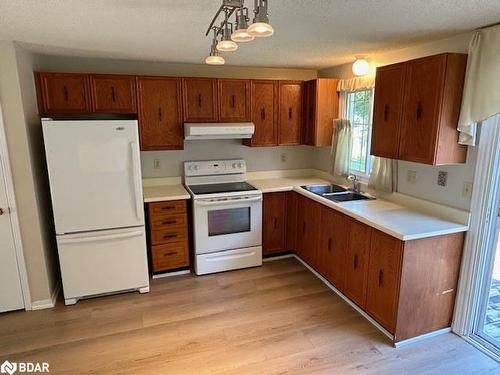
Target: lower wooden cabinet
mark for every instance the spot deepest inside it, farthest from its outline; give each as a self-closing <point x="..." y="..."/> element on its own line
<point x="291" y="220"/>
<point x="274" y="223"/>
<point x="307" y="229"/>
<point x="168" y="235"/>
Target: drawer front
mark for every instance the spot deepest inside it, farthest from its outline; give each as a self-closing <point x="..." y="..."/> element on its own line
<point x="168" y="235"/>
<point x="168" y="221"/>
<point x="168" y="207"/>
<point x="169" y="256"/>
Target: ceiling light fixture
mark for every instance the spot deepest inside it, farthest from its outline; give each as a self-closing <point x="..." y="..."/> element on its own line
<point x="240" y="33"/>
<point x="214" y="58"/>
<point x="260" y="27"/>
<point x="226" y="44"/>
<point x="361" y="66"/>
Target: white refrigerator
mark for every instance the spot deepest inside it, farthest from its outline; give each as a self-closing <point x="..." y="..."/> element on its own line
<point x="95" y="183"/>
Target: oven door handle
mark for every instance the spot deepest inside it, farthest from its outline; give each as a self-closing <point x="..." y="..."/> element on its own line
<point x="228" y="201"/>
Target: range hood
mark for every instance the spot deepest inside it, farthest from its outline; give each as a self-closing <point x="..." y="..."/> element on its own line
<point x="218" y="130"/>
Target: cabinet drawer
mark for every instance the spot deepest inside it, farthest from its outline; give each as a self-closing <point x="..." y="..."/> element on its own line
<point x="168" y="207"/>
<point x="167" y="221"/>
<point x="168" y="256"/>
<point x="168" y="235"/>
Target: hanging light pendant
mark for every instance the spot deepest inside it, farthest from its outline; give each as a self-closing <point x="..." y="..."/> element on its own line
<point x="240" y="34"/>
<point x="214" y="58"/>
<point x="226" y="44"/>
<point x="260" y="27"/>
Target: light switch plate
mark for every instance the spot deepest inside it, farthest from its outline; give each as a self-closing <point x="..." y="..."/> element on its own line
<point x="411" y="176"/>
<point x="442" y="178"/>
<point x="156" y="164"/>
<point x="467" y="189"/>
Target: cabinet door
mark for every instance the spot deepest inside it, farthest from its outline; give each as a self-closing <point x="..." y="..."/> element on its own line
<point x="290" y="112"/>
<point x="263" y="105"/>
<point x="234" y="100"/>
<point x="291" y="220"/>
<point x="383" y="278"/>
<point x="387" y="110"/>
<point x="113" y="93"/>
<point x="307" y="231"/>
<point x="310" y="113"/>
<point x="274" y="223"/>
<point x="421" y="107"/>
<point x="63" y="93"/>
<point x="357" y="262"/>
<point x="160" y="113"/>
<point x="333" y="246"/>
<point x="200" y="99"/>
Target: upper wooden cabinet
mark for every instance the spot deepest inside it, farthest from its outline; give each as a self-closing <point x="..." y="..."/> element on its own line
<point x="263" y="113"/>
<point x="160" y="113"/>
<point x="274" y="223"/>
<point x="62" y="93"/>
<point x="234" y="100"/>
<point x="290" y="113"/>
<point x="113" y="93"/>
<point x="321" y="104"/>
<point x="426" y="126"/>
<point x="200" y="99"/>
<point x="387" y="110"/>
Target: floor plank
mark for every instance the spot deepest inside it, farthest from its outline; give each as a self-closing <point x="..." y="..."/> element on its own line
<point x="274" y="319"/>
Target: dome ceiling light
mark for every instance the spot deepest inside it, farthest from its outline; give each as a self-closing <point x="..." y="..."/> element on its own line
<point x="361" y="66"/>
<point x="242" y="32"/>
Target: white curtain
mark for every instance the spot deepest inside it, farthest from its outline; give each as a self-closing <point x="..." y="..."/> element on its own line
<point x="356" y="83"/>
<point x="481" y="97"/>
<point x="340" y="154"/>
<point x="384" y="176"/>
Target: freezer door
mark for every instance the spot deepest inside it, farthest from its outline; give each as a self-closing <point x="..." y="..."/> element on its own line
<point x="95" y="175"/>
<point x="103" y="262"/>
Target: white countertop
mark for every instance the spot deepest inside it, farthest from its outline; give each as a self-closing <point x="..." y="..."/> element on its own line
<point x="394" y="219"/>
<point x="159" y="193"/>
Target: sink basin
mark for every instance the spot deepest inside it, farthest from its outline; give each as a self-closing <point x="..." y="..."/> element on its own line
<point x="345" y="197"/>
<point x="321" y="189"/>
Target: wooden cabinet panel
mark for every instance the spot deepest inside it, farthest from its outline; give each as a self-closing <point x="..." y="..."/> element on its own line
<point x="333" y="246"/>
<point x="167" y="207"/>
<point x="308" y="137"/>
<point x="200" y="99"/>
<point x="357" y="262"/>
<point x="383" y="278"/>
<point x="291" y="220"/>
<point x="263" y="113"/>
<point x="63" y="93"/>
<point x="307" y="229"/>
<point x="234" y="100"/>
<point x="113" y="93"/>
<point x="387" y="110"/>
<point x="160" y="113"/>
<point x="169" y="256"/>
<point x="274" y="223"/>
<point x="290" y="112"/>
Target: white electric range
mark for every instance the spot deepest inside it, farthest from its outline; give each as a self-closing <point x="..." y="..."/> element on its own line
<point x="227" y="216"/>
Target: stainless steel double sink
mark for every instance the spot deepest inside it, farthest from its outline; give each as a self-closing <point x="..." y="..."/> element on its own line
<point x="334" y="193"/>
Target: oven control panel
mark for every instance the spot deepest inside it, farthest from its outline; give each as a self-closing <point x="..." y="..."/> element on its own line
<point x="214" y="167"/>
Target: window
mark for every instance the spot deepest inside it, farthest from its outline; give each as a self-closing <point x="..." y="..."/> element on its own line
<point x="359" y="113"/>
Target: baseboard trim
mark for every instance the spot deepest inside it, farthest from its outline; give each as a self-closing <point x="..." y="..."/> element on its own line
<point x="413" y="340"/>
<point x="170" y="274"/>
<point x="47" y="303"/>
<point x="278" y="257"/>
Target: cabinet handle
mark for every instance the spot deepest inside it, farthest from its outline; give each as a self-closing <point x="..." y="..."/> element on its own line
<point x="304" y="227"/>
<point x="168" y="222"/>
<point x="168" y="208"/>
<point x="290" y="113"/>
<point x="66" y="95"/>
<point x="380" y="277"/>
<point x="275" y="223"/>
<point x="310" y="114"/>
<point x="113" y="94"/>
<point x="329" y="245"/>
<point x="233" y="101"/>
<point x="169" y="236"/>
<point x="419" y="110"/>
<point x="160" y="115"/>
<point x="199" y="100"/>
<point x="355" y="261"/>
<point x="386" y="112"/>
<point x="263" y="114"/>
<point x="169" y="253"/>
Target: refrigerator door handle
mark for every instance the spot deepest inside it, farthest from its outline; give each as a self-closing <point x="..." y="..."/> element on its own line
<point x="107" y="237"/>
<point x="136" y="181"/>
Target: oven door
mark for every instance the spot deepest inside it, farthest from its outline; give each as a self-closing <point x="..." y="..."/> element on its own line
<point x="227" y="223"/>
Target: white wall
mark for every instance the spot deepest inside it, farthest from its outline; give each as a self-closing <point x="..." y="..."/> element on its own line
<point x="425" y="186"/>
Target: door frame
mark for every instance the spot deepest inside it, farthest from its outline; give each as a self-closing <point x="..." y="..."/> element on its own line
<point x="14" y="217"/>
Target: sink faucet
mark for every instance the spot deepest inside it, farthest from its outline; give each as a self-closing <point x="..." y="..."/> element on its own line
<point x="356" y="185"/>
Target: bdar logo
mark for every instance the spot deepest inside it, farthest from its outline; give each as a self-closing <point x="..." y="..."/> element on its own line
<point x="8" y="368"/>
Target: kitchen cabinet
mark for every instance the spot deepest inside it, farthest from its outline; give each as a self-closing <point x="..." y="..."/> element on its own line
<point x="113" y="93"/>
<point x="333" y="245"/>
<point x="290" y="113"/>
<point x="62" y="93"/>
<point x="388" y="110"/>
<point x="200" y="99"/>
<point x="383" y="278"/>
<point x="274" y="223"/>
<point x="168" y="235"/>
<point x="234" y="100"/>
<point x="358" y="252"/>
<point x="263" y="113"/>
<point x="160" y="113"/>
<point x="307" y="229"/>
<point x="291" y="220"/>
<point x="321" y="108"/>
<point x="425" y="130"/>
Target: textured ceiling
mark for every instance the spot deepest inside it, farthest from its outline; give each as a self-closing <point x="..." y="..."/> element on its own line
<point x="308" y="33"/>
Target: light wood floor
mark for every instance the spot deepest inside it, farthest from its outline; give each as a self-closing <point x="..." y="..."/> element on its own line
<point x="274" y="319"/>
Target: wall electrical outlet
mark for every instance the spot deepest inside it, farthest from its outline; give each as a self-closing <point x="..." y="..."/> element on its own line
<point x="442" y="178"/>
<point x="156" y="164"/>
<point x="411" y="177"/>
<point x="467" y="189"/>
<point x="283" y="158"/>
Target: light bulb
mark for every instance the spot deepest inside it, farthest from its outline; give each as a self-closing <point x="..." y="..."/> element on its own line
<point x="215" y="60"/>
<point x="260" y="29"/>
<point x="360" y="67"/>
<point x="227" y="46"/>
<point x="242" y="36"/>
